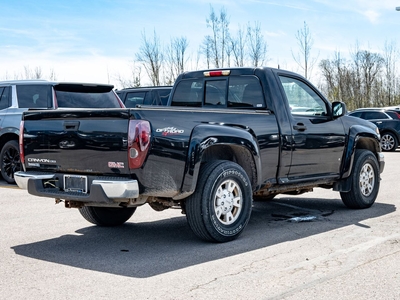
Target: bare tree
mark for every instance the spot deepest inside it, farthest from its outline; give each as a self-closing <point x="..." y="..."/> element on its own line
<point x="257" y="45"/>
<point x="390" y="57"/>
<point x="52" y="76"/>
<point x="134" y="80"/>
<point x="206" y="50"/>
<point x="305" y="43"/>
<point x="338" y="79"/>
<point x="215" y="45"/>
<point x="151" y="56"/>
<point x="36" y="73"/>
<point x="176" y="58"/>
<point x="367" y="67"/>
<point x="357" y="82"/>
<point x="238" y="47"/>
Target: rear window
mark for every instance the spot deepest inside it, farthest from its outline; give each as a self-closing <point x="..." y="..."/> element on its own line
<point x="34" y="96"/>
<point x="231" y="92"/>
<point x="87" y="99"/>
<point x="393" y="114"/>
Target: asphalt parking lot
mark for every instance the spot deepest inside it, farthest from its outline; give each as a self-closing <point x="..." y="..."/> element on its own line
<point x="304" y="247"/>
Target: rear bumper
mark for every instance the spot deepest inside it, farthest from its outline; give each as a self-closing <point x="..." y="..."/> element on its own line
<point x="101" y="189"/>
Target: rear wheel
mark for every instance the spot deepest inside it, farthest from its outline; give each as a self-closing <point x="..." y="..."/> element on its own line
<point x="220" y="208"/>
<point x="10" y="161"/>
<point x="389" y="142"/>
<point x="365" y="181"/>
<point x="107" y="216"/>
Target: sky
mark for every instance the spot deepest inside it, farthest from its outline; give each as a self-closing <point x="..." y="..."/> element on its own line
<point x="97" y="41"/>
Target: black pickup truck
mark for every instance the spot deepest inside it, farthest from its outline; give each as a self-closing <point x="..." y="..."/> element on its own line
<point x="226" y="137"/>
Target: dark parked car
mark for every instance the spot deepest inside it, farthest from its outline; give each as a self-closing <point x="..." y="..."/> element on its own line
<point x="387" y="121"/>
<point x="17" y="96"/>
<point x="154" y="95"/>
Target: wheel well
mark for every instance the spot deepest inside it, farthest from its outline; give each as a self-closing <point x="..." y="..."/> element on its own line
<point x="7" y="137"/>
<point x="369" y="144"/>
<point x="237" y="154"/>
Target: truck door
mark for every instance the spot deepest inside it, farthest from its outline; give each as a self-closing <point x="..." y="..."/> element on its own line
<point x="317" y="140"/>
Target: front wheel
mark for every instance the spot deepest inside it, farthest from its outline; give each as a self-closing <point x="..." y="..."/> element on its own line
<point x="220" y="208"/>
<point x="107" y="216"/>
<point x="365" y="181"/>
<point x="10" y="161"/>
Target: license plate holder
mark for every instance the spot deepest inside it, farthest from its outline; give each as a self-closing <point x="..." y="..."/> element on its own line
<point x="75" y="183"/>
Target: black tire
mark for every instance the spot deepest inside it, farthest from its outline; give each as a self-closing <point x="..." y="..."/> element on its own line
<point x="220" y="208"/>
<point x="365" y="181"/>
<point x="389" y="142"/>
<point x="10" y="161"/>
<point x="107" y="216"/>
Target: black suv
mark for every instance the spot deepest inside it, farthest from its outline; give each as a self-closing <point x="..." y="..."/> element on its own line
<point x="387" y="121"/>
<point x="18" y="96"/>
<point x="153" y="95"/>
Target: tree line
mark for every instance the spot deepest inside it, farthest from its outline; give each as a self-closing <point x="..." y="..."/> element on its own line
<point x="366" y="79"/>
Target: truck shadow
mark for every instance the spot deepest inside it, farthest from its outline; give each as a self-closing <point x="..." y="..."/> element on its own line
<point x="148" y="249"/>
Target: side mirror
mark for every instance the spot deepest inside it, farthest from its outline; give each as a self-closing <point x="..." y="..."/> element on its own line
<point x="338" y="109"/>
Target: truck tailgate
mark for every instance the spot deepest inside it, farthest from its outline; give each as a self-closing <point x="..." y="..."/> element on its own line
<point x="82" y="141"/>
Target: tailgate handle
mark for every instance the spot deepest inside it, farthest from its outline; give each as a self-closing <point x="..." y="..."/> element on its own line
<point x="71" y="125"/>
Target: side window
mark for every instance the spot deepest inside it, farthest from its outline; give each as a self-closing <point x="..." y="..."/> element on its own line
<point x="303" y="100"/>
<point x="134" y="98"/>
<point x="34" y="96"/>
<point x="4" y="97"/>
<point x="244" y="92"/>
<point x="164" y="95"/>
<point x="374" y="115"/>
<point x="157" y="97"/>
<point x="188" y="93"/>
<point x="215" y="93"/>
<point x="356" y="114"/>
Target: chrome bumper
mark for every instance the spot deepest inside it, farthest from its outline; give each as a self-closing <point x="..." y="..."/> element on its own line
<point x="102" y="189"/>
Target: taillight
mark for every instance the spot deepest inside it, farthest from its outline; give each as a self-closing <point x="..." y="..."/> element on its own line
<point x="138" y="142"/>
<point x="21" y="142"/>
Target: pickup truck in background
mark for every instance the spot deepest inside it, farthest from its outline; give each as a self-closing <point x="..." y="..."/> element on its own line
<point x="226" y="137"/>
<point x="151" y="95"/>
<point x="18" y="96"/>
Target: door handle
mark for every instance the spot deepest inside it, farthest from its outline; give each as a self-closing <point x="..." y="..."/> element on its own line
<point x="299" y="127"/>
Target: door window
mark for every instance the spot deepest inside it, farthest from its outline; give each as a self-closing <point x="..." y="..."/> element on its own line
<point x="4" y="99"/>
<point x="303" y="100"/>
<point x="134" y="98"/>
